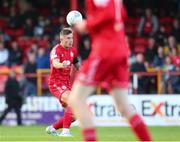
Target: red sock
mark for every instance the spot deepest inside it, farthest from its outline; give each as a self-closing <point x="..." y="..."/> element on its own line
<point x="139" y="128"/>
<point x="89" y="134"/>
<point x="58" y="124"/>
<point x="68" y="118"/>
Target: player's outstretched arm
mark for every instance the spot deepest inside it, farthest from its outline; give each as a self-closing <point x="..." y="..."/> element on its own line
<point x="57" y="64"/>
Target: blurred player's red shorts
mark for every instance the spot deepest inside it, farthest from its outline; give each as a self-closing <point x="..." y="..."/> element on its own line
<point x="58" y="89"/>
<point x="113" y="70"/>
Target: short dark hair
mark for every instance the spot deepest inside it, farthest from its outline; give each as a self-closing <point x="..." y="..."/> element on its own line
<point x="66" y="31"/>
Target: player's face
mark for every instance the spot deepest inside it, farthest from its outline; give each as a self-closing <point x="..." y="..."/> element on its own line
<point x="67" y="40"/>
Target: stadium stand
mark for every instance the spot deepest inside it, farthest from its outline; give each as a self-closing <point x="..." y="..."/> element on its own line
<point x="33" y="28"/>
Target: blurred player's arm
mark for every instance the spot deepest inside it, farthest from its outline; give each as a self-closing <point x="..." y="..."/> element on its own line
<point x="95" y="20"/>
<point x="105" y="15"/>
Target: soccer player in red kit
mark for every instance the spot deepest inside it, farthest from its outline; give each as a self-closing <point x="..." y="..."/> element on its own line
<point x="107" y="62"/>
<point x="62" y="57"/>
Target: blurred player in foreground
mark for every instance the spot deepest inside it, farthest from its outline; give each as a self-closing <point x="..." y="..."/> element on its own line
<point x="107" y="61"/>
<point x="62" y="57"/>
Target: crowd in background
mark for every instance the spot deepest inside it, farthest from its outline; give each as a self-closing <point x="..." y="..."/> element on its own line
<point x="29" y="29"/>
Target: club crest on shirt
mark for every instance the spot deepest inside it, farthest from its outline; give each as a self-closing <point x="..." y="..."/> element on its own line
<point x="62" y="55"/>
<point x="63" y="87"/>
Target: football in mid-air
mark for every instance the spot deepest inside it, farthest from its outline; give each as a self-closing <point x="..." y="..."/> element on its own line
<point x="73" y="17"/>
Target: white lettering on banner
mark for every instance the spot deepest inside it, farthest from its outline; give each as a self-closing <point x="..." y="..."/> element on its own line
<point x="101" y="109"/>
<point x="42" y="104"/>
<point x="37" y="104"/>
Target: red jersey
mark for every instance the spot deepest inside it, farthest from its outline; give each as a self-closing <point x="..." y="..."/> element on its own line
<point x="148" y="26"/>
<point x="105" y="22"/>
<point x="57" y="76"/>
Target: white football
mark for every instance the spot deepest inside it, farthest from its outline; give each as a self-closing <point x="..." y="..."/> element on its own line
<point x="73" y="17"/>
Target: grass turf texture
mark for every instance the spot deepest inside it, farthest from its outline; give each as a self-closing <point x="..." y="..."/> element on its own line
<point x="37" y="133"/>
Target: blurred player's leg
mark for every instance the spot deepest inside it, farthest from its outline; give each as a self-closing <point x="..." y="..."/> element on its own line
<point x="77" y="101"/>
<point x="136" y="122"/>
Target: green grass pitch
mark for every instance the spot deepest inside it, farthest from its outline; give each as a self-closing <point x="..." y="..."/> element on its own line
<point x="37" y="133"/>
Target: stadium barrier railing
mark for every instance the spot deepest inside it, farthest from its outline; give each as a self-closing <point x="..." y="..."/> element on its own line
<point x="43" y="74"/>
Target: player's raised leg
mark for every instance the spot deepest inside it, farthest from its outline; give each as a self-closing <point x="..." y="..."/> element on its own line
<point x="137" y="124"/>
<point x="77" y="101"/>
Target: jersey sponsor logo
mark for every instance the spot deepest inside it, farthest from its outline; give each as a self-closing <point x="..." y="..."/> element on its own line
<point x="67" y="62"/>
<point x="101" y="3"/>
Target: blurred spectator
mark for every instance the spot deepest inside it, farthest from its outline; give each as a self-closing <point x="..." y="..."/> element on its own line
<point x="158" y="61"/>
<point x="39" y="28"/>
<point x="15" y="55"/>
<point x="85" y="48"/>
<point x="43" y="41"/>
<point x="148" y="25"/>
<point x="28" y="27"/>
<point x="22" y="84"/>
<point x="161" y="36"/>
<point x="175" y="80"/>
<point x="33" y="49"/>
<point x="57" y="24"/>
<point x="4" y="54"/>
<point x="42" y="59"/>
<point x="175" y="57"/>
<point x="55" y="40"/>
<point x="168" y="66"/>
<point x="54" y="8"/>
<point x="178" y="3"/>
<point x="139" y="66"/>
<point x="132" y="59"/>
<point x="166" y="82"/>
<point x="30" y="69"/>
<point x="151" y="51"/>
<point x="4" y="37"/>
<point x="176" y="30"/>
<point x="170" y="45"/>
<point x="5" y="7"/>
<point x="14" y="21"/>
<point x="13" y="98"/>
